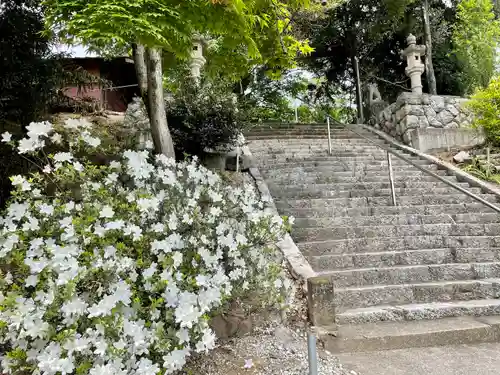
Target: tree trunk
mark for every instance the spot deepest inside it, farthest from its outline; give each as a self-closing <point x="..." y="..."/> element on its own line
<point x="157" y="116"/>
<point x="429" y="67"/>
<point x="141" y="72"/>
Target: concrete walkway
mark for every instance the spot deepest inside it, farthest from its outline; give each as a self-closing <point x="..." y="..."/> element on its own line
<point x="480" y="359"/>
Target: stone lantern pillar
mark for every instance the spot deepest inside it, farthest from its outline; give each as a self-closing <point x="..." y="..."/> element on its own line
<point x="415" y="66"/>
<point x="197" y="59"/>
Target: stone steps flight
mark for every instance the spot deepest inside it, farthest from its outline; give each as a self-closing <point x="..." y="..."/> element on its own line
<point x="434" y="258"/>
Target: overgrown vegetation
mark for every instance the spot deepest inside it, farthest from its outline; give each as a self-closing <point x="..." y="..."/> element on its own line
<point x="203" y="116"/>
<point x="482" y="169"/>
<point x="485" y="107"/>
<point x="116" y="267"/>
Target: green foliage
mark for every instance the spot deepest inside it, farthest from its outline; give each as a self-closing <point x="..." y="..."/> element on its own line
<point x="203" y="116"/>
<point x="483" y="170"/>
<point x="376" y="32"/>
<point x="485" y="106"/>
<point x="27" y="75"/>
<point x="242" y="32"/>
<point x="475" y="37"/>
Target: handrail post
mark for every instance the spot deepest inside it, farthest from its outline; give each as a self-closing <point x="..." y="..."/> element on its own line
<point x="329" y="135"/>
<point x="311" y="354"/>
<point x="391" y="178"/>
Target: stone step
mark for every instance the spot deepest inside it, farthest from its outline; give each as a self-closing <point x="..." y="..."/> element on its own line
<point x="401" y="177"/>
<point x="412" y="274"/>
<point x="422" y="311"/>
<point x="284" y="136"/>
<point x="338" y="165"/>
<point x="369" y="163"/>
<point x="347" y="157"/>
<point x="403" y="257"/>
<point x="324" y="204"/>
<point x="337" y="140"/>
<point x="368" y="186"/>
<point x="309" y="153"/>
<point x="318" y="194"/>
<point x="329" y="172"/>
<point x="341" y="168"/>
<point x="381" y="231"/>
<point x="465" y="329"/>
<point x="362" y="221"/>
<point x="393" y="295"/>
<point x="373" y="245"/>
<point x="437" y="209"/>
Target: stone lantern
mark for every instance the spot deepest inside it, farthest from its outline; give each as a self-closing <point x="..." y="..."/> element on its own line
<point x="415" y="66"/>
<point x="197" y="59"/>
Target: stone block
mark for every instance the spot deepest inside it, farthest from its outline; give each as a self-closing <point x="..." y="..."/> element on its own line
<point x="321" y="301"/>
<point x="410" y="121"/>
<point x="443" y="139"/>
<point x="452" y="125"/>
<point x="452" y="109"/>
<point x="445" y="117"/>
<point x="434" y="122"/>
<point x="437" y="103"/>
<point x="429" y="111"/>
<point x="402" y="112"/>
<point x="417" y="110"/>
<point x="423" y="122"/>
<point x="245" y="161"/>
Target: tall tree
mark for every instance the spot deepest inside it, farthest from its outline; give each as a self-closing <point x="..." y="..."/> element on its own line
<point x="429" y="66"/>
<point x="475" y="37"/>
<point x="248" y="27"/>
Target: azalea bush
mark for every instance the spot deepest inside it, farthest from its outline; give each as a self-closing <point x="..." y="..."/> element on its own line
<point x="116" y="269"/>
<point x="484" y="105"/>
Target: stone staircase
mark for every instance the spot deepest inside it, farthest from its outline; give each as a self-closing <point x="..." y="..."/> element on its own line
<point x="435" y="257"/>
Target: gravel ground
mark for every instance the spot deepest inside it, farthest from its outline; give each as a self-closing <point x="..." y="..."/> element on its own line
<point x="279" y="350"/>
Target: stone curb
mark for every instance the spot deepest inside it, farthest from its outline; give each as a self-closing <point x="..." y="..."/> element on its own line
<point x="455" y="171"/>
<point x="297" y="263"/>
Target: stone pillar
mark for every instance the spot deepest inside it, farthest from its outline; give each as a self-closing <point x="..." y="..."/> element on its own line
<point x="197" y="59"/>
<point x="415" y="67"/>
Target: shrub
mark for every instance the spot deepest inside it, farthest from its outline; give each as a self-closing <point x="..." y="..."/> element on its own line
<point x="202" y="117"/>
<point x="485" y="106"/>
<point x="119" y="269"/>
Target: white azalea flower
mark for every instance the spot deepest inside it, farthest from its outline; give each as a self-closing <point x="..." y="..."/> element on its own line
<point x="6" y="137"/>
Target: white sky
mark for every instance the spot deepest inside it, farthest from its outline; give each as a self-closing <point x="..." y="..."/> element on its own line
<point x="74" y="51"/>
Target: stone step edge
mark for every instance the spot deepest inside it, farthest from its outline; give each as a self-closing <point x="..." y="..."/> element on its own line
<point x="359" y="219"/>
<point x="415" y="284"/>
<point x="420" y="311"/>
<point x="402" y="251"/>
<point x="413" y="334"/>
<point x="379" y="227"/>
<point x="399" y="268"/>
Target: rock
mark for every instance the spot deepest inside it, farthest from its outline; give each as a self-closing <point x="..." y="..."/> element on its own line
<point x="402" y="113"/>
<point x="434" y="122"/>
<point x="137" y="118"/>
<point x="452" y="109"/>
<point x="437" y="103"/>
<point x="411" y="121"/>
<point x="445" y="117"/>
<point x="461" y="157"/>
<point x="215" y="160"/>
<point x="417" y="110"/>
<point x="245" y="163"/>
<point x="429" y="111"/>
<point x="452" y="125"/>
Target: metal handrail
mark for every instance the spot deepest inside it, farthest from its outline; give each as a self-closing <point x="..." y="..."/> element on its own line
<point x="410" y="162"/>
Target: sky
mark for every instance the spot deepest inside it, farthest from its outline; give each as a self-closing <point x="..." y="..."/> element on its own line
<point x="74" y="51"/>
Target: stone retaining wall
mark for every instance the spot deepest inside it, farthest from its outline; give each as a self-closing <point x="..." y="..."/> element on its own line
<point x="413" y="111"/>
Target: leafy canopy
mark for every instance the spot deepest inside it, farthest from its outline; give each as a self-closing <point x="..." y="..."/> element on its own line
<point x="475" y="37"/>
<point x="243" y="31"/>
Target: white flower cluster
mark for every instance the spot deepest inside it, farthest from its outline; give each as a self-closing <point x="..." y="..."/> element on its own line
<point x="122" y="277"/>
